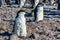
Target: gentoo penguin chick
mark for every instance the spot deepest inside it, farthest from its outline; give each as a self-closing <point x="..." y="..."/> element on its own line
<point x="22" y="2"/>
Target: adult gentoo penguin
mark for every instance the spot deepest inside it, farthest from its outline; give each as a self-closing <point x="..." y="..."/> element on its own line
<point x="36" y="3"/>
<point x="20" y="2"/>
<point x="20" y="24"/>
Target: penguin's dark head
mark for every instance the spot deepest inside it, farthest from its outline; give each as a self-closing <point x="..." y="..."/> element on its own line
<point x="20" y="12"/>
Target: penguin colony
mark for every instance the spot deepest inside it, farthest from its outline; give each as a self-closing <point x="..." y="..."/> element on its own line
<point x="20" y="28"/>
<point x="20" y="22"/>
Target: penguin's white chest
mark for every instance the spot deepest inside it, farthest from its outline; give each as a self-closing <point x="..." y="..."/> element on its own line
<point x="21" y="25"/>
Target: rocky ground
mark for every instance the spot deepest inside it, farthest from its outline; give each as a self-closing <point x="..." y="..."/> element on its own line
<point x="47" y="29"/>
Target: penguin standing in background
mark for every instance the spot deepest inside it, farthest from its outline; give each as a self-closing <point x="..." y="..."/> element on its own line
<point x="20" y="24"/>
<point x="20" y="3"/>
<point x="38" y="12"/>
<point x="36" y="3"/>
